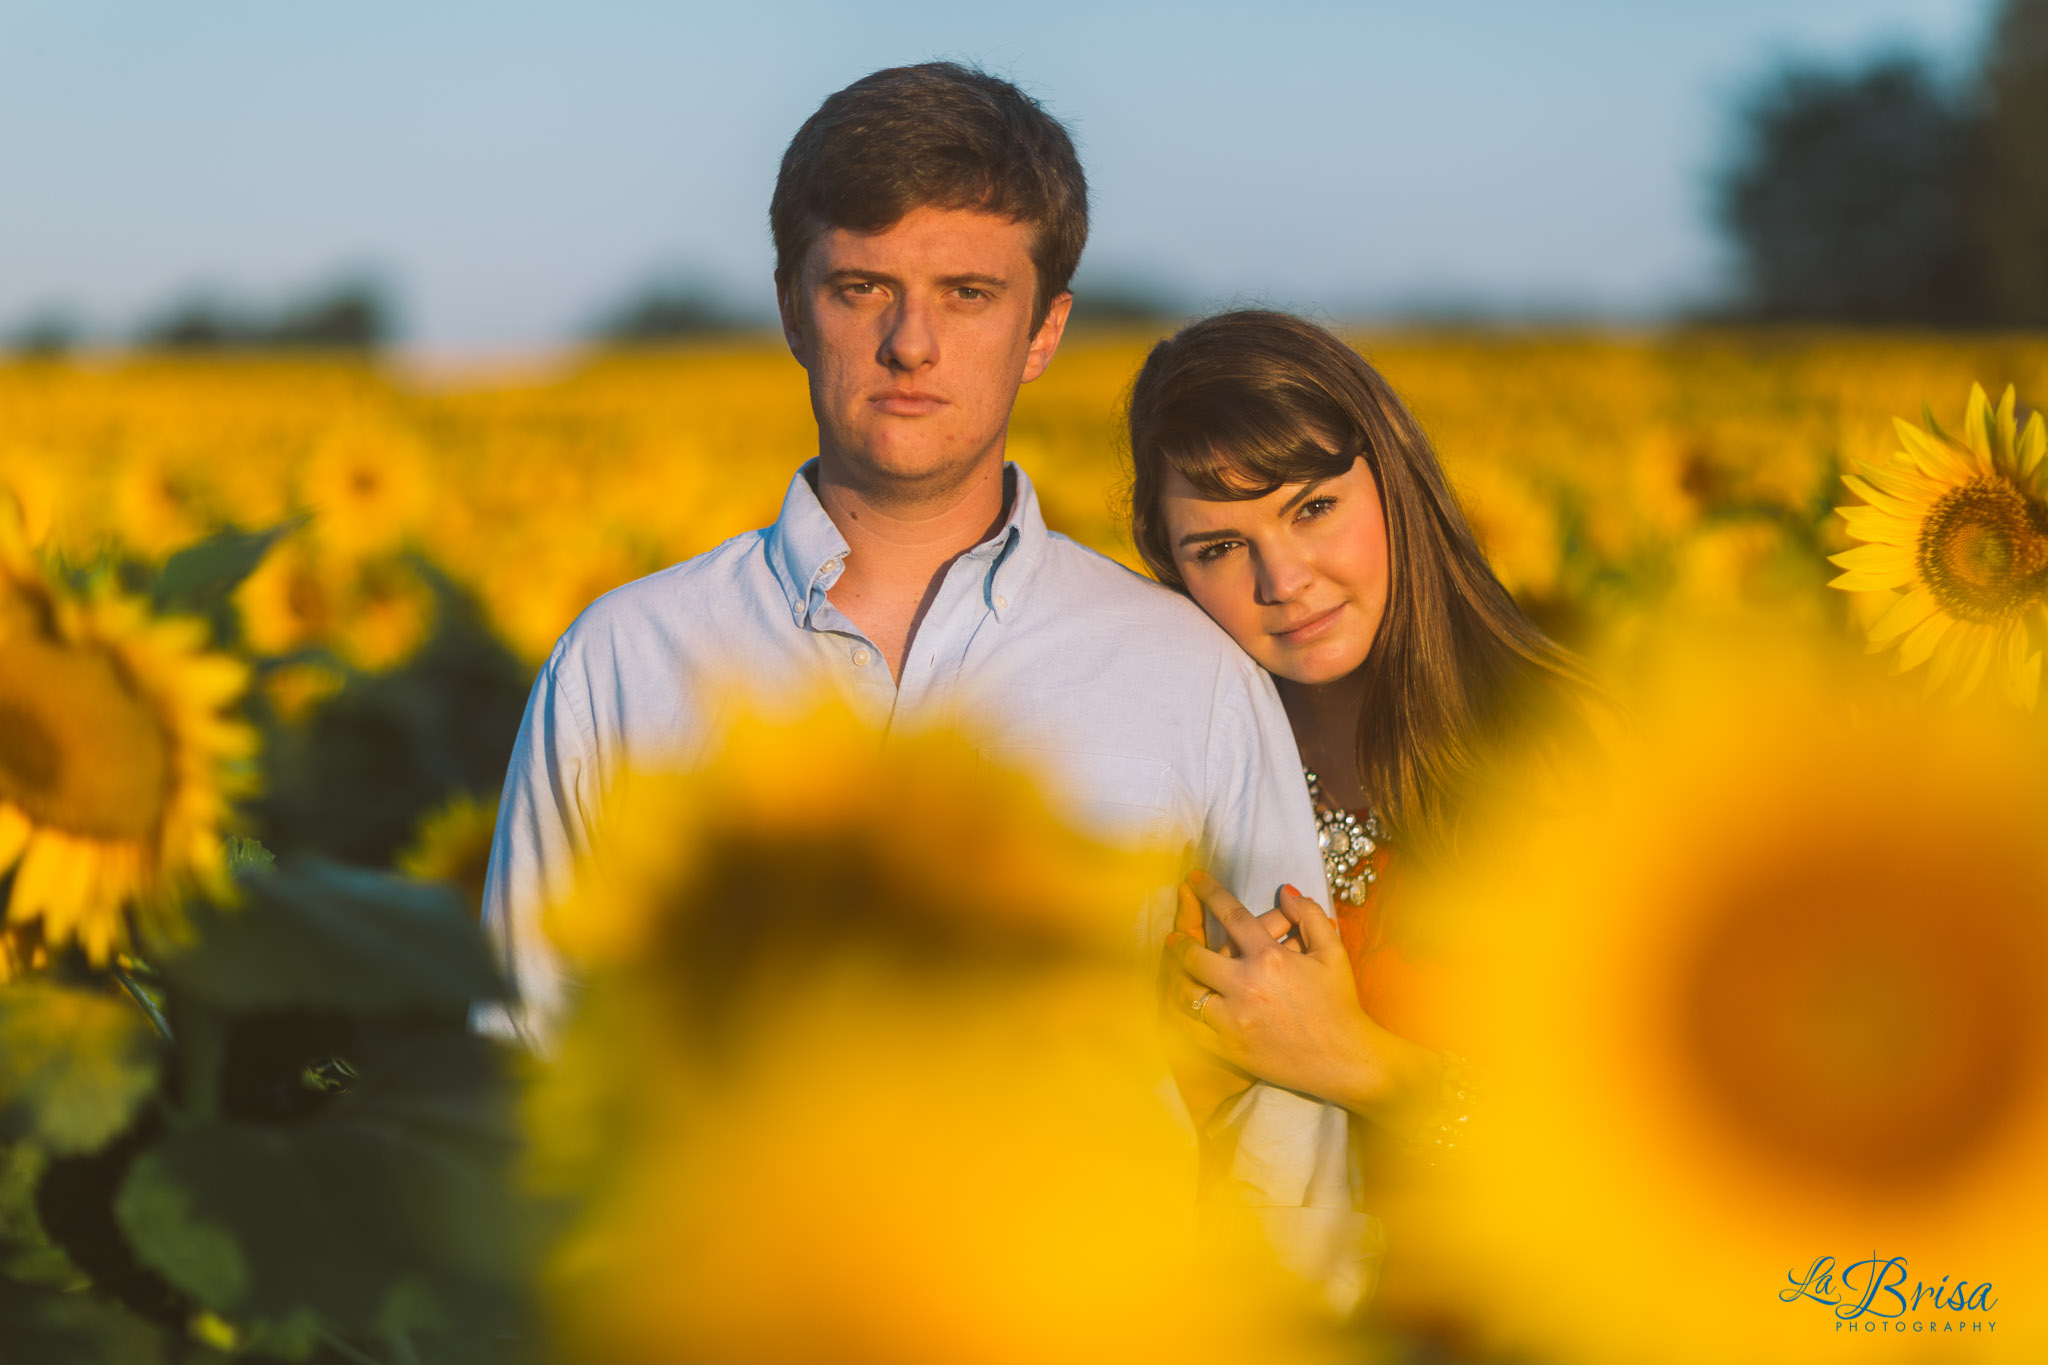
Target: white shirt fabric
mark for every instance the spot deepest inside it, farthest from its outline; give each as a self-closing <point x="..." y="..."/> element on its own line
<point x="1145" y="718"/>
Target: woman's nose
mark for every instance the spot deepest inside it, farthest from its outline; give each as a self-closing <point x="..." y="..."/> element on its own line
<point x="1282" y="576"/>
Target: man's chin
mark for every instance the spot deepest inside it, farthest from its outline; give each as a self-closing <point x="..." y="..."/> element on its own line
<point x="915" y="462"/>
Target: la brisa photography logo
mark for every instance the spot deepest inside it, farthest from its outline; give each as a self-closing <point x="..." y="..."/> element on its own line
<point x="1879" y="1294"/>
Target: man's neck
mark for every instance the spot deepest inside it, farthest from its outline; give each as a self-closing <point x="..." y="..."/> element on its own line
<point x="900" y="544"/>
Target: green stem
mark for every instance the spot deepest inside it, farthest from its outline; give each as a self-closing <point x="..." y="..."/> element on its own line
<point x="402" y="1348"/>
<point x="346" y="1351"/>
<point x="202" y="1049"/>
<point x="147" y="1005"/>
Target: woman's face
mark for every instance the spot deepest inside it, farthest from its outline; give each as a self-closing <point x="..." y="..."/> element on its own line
<point x="1298" y="577"/>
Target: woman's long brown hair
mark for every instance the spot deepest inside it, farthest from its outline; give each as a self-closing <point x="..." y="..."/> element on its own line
<point x="1245" y="402"/>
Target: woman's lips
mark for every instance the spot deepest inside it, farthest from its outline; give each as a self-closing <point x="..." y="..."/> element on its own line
<point x="1310" y="629"/>
<point x="908" y="403"/>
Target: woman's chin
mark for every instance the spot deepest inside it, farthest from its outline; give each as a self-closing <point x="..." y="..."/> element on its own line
<point x="1316" y="666"/>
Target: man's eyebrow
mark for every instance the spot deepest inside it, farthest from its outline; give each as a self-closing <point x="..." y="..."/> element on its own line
<point x="848" y="274"/>
<point x="978" y="281"/>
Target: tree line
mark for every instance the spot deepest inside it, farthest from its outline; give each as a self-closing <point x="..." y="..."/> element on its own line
<point x="1887" y="194"/>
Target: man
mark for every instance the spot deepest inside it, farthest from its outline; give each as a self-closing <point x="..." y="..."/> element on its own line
<point x="927" y="221"/>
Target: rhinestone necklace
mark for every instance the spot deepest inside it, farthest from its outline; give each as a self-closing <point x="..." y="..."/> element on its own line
<point x="1347" y="843"/>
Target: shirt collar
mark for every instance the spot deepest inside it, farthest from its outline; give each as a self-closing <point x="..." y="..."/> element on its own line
<point x="807" y="554"/>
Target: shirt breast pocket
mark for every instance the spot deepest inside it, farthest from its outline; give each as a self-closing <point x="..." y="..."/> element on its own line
<point x="1123" y="798"/>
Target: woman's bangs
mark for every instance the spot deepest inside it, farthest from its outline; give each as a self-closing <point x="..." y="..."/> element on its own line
<point x="1238" y="461"/>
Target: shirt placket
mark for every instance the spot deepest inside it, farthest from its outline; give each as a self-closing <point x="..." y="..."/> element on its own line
<point x="932" y="663"/>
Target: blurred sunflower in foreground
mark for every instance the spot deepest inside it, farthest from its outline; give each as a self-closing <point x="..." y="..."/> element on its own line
<point x="1773" y="995"/>
<point x="118" y="760"/>
<point x="865" y="1069"/>
<point x="1961" y="527"/>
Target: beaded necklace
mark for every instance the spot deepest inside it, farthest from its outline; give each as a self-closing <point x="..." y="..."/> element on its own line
<point x="1347" y="844"/>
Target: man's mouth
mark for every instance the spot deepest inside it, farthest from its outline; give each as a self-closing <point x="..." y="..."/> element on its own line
<point x="907" y="402"/>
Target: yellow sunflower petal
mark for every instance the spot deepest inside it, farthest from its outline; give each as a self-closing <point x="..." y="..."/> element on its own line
<point x="1936" y="459"/>
<point x="2020" y="669"/>
<point x="1903" y="615"/>
<point x="1876" y="524"/>
<point x="1904" y="478"/>
<point x="2029" y="448"/>
<point x="1870" y="493"/>
<point x="1877" y="559"/>
<point x="1973" y="658"/>
<point x="2004" y="424"/>
<point x="1977" y="422"/>
<point x="1925" y="636"/>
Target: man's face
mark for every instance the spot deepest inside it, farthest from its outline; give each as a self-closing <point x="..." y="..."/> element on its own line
<point x="916" y="339"/>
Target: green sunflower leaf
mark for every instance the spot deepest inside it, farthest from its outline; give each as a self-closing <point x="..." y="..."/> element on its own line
<point x="320" y="936"/>
<point x="74" y="1064"/>
<point x="200" y="576"/>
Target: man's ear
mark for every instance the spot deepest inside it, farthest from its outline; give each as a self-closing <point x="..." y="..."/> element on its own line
<point x="1047" y="339"/>
<point x="791" y="310"/>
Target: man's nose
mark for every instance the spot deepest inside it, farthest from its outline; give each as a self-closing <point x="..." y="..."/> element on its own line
<point x="1282" y="576"/>
<point x="909" y="343"/>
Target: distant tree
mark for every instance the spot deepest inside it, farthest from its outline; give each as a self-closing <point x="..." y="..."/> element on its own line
<point x="353" y="315"/>
<point x="2009" y="199"/>
<point x="197" y="324"/>
<point x="1846" y="198"/>
<point x="670" y="311"/>
<point x="43" y="336"/>
<point x="1118" y="300"/>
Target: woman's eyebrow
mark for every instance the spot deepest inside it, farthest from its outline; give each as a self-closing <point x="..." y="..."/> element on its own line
<point x="1308" y="490"/>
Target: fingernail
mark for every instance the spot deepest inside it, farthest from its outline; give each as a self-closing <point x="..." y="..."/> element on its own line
<point x="1287" y="889"/>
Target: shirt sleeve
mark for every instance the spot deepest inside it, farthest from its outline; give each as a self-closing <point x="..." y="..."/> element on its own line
<point x="544" y="819"/>
<point x="1284" y="1154"/>
<point x="1259" y="830"/>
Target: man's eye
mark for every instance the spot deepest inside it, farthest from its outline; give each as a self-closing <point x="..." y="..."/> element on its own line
<point x="972" y="295"/>
<point x="859" y="288"/>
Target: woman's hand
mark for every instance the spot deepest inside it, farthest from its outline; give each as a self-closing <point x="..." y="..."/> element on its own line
<point x="1293" y="1019"/>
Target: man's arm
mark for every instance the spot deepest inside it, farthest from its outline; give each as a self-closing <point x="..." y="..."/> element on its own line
<point x="543" y="829"/>
<point x="1259" y="828"/>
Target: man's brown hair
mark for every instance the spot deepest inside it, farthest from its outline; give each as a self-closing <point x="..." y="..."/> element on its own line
<point x="936" y="135"/>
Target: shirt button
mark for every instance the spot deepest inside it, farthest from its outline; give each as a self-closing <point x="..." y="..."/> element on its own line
<point x="860" y="658"/>
<point x="1002" y="602"/>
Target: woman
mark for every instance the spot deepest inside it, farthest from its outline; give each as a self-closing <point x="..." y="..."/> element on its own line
<point x="1280" y="483"/>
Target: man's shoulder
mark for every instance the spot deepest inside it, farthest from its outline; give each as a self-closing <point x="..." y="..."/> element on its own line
<point x="1114" y="592"/>
<point x="696" y="592"/>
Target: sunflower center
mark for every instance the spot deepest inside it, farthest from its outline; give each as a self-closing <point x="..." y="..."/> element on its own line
<point x="79" y="751"/>
<point x="1983" y="551"/>
<point x="1848" y="1035"/>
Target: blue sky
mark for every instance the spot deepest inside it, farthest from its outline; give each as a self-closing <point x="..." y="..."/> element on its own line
<point x="512" y="167"/>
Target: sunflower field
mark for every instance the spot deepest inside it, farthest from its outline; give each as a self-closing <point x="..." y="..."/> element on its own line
<point x="1767" y="995"/>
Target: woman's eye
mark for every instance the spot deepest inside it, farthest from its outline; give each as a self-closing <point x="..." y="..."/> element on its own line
<point x="1315" y="507"/>
<point x="1215" y="549"/>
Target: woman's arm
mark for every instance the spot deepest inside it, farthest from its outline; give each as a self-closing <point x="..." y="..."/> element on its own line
<point x="1293" y="1019"/>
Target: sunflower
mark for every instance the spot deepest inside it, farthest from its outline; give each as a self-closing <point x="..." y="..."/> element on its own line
<point x="117" y="761"/>
<point x="1771" y="995"/>
<point x="865" y="1070"/>
<point x="1962" y="528"/>
<point x="453" y="845"/>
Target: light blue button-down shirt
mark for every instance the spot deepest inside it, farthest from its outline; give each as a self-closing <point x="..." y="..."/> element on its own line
<point x="1144" y="718"/>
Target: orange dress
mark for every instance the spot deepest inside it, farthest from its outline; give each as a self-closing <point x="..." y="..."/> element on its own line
<point x="1402" y="995"/>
